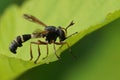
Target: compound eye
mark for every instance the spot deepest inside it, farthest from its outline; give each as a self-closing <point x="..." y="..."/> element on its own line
<point x="62" y="35"/>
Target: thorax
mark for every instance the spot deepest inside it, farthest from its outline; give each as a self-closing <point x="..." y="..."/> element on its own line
<point x="52" y="34"/>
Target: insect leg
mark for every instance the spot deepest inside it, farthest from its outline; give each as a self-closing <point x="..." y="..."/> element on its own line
<point x="47" y="52"/>
<point x="70" y="50"/>
<point x="62" y="43"/>
<point x="44" y="43"/>
<point x="31" y="55"/>
<point x="39" y="53"/>
<point x="55" y="51"/>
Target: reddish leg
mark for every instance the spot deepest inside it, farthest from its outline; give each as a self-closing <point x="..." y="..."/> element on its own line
<point x="39" y="53"/>
<point x="55" y="51"/>
<point x="62" y="43"/>
<point x="47" y="52"/>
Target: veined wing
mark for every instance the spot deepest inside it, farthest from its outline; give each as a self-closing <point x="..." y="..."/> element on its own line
<point x="39" y="33"/>
<point x="34" y="19"/>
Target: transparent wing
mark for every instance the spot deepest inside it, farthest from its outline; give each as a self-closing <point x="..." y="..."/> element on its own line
<point x="38" y="33"/>
<point x="33" y="19"/>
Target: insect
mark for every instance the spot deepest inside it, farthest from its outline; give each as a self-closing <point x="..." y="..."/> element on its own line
<point x="50" y="33"/>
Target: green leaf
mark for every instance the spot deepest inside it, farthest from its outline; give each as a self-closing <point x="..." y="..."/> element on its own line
<point x="98" y="59"/>
<point x="89" y="15"/>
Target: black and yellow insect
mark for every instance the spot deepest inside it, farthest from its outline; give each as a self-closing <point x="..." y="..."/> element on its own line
<point x="50" y="33"/>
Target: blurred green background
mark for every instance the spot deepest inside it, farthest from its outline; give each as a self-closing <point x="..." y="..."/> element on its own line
<point x="97" y="52"/>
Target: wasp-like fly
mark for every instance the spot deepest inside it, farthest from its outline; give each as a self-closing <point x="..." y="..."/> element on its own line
<point x="50" y="33"/>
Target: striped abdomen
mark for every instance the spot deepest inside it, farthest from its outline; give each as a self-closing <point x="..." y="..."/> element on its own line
<point x="18" y="42"/>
